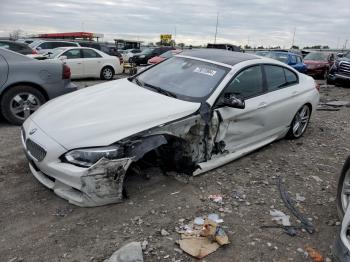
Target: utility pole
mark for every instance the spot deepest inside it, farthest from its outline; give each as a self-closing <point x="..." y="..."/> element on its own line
<point x="216" y="28"/>
<point x="293" y="36"/>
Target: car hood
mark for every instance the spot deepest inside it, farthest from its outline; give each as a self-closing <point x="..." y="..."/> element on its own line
<point x="103" y="114"/>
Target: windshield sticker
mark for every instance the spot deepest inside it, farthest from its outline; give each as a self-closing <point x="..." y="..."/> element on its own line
<point x="205" y="71"/>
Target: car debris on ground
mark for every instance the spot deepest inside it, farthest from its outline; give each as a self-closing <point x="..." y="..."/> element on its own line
<point x="202" y="236"/>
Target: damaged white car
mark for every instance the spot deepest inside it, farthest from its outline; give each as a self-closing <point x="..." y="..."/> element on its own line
<point x="189" y="114"/>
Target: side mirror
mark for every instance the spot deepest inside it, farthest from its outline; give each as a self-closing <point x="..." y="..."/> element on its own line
<point x="232" y="101"/>
<point x="63" y="58"/>
<point x="38" y="48"/>
<point x="340" y="55"/>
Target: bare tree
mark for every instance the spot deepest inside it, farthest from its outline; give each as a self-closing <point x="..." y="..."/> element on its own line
<point x="16" y="34"/>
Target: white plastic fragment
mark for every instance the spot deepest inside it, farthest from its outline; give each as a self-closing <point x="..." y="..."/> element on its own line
<point x="280" y="217"/>
<point x="131" y="252"/>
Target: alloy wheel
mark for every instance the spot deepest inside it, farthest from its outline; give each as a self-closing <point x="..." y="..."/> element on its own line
<point x="301" y="121"/>
<point x="107" y="73"/>
<point x="24" y="104"/>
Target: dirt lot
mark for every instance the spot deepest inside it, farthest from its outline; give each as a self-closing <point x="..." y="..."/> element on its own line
<point x="36" y="225"/>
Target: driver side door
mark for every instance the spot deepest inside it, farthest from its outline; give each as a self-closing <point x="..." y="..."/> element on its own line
<point x="241" y="128"/>
<point x="75" y="61"/>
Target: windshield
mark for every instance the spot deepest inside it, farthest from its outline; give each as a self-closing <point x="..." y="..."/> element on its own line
<point x="278" y="56"/>
<point x="185" y="78"/>
<point x="146" y="51"/>
<point x="316" y="56"/>
<point x="55" y="52"/>
<point x="34" y="43"/>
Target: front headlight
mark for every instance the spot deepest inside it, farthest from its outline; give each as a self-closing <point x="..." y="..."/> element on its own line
<point x="86" y="157"/>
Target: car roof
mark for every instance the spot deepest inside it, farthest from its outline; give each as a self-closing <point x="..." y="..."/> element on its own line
<point x="220" y="56"/>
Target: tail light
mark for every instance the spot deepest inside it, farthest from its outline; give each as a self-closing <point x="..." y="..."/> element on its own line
<point x="317" y="86"/>
<point x="66" y="72"/>
<point x="34" y="52"/>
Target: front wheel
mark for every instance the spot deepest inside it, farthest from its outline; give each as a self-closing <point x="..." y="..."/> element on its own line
<point x="343" y="190"/>
<point x="19" y="102"/>
<point x="107" y="73"/>
<point x="299" y="123"/>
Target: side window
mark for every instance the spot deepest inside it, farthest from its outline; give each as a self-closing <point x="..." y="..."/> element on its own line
<point x="299" y="60"/>
<point x="72" y="54"/>
<point x="88" y="53"/>
<point x="246" y="84"/>
<point x="291" y="77"/>
<point x="274" y="77"/>
<point x="293" y="59"/>
<point x="4" y="45"/>
<point x="96" y="46"/>
<point x="46" y="45"/>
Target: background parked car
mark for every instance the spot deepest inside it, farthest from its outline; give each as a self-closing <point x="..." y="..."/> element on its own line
<point x="43" y="46"/>
<point x="162" y="57"/>
<point x="21" y="48"/>
<point x="127" y="54"/>
<point x="88" y="62"/>
<point x="289" y="58"/>
<point x="340" y="70"/>
<point x="146" y="54"/>
<point x="103" y="47"/>
<point x="26" y="84"/>
<point x="318" y="63"/>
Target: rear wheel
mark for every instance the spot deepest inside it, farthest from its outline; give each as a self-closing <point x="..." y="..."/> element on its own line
<point x="19" y="102"/>
<point x="107" y="73"/>
<point x="343" y="190"/>
<point x="300" y="122"/>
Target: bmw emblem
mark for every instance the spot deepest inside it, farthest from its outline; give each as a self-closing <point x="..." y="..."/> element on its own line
<point x="31" y="132"/>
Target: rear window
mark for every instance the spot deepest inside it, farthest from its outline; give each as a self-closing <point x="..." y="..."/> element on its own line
<point x="278" y="77"/>
<point x="88" y="53"/>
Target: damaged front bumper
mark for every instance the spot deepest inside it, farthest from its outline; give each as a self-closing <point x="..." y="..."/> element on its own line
<point x="97" y="185"/>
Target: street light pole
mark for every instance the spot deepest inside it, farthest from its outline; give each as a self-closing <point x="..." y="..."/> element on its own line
<point x="216" y="28"/>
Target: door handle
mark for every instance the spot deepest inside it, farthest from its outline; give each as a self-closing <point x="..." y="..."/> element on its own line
<point x="262" y="105"/>
<point x="294" y="93"/>
<point x="79" y="63"/>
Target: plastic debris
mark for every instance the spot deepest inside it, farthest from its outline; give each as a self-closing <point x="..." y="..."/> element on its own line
<point x="199" y="221"/>
<point x="131" y="252"/>
<point x="314" y="254"/>
<point x="280" y="217"/>
<point x="299" y="197"/>
<point x="215" y="198"/>
<point x="215" y="217"/>
<point x="317" y="179"/>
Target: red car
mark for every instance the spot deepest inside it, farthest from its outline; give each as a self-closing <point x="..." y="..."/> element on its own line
<point x="318" y="63"/>
<point x="162" y="57"/>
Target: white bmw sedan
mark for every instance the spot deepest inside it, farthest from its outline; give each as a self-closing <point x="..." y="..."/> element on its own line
<point x="87" y="62"/>
<point x="189" y="114"/>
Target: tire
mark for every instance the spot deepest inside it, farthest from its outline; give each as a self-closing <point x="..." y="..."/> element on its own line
<point x="19" y="102"/>
<point x="342" y="200"/>
<point x="329" y="81"/>
<point x="107" y="73"/>
<point x="299" y="122"/>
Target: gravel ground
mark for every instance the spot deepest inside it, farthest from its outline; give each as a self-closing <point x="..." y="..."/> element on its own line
<point x="36" y="225"/>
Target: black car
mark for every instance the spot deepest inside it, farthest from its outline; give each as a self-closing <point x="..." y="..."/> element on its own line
<point x="109" y="49"/>
<point x="340" y="70"/>
<point x="146" y="54"/>
<point x="21" y="48"/>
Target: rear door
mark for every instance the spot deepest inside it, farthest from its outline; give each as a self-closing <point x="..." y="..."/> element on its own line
<point x="92" y="62"/>
<point x="4" y="69"/>
<point x="75" y="62"/>
<point x="240" y="128"/>
<point x="282" y="98"/>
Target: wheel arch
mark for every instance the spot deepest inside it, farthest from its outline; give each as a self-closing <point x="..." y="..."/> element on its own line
<point x="38" y="87"/>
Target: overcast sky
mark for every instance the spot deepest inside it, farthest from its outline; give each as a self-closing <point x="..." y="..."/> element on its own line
<point x="257" y="22"/>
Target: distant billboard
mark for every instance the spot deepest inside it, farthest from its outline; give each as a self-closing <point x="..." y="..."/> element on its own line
<point x="166" y="38"/>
